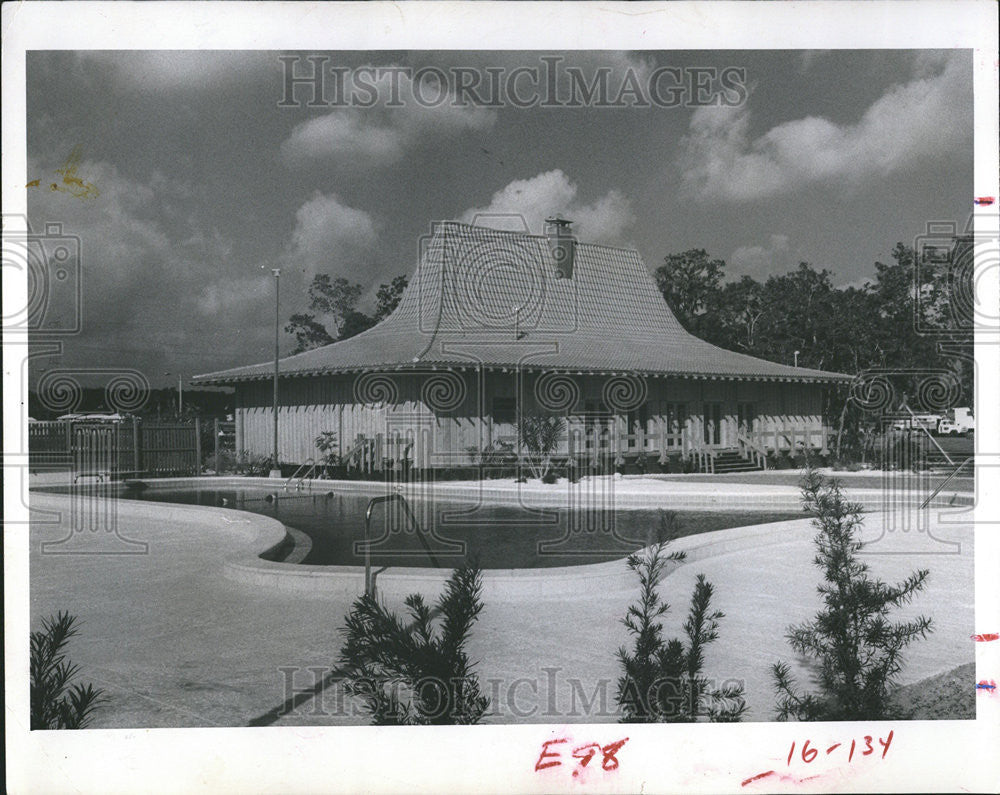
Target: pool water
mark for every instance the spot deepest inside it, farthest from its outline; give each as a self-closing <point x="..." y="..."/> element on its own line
<point x="499" y="536"/>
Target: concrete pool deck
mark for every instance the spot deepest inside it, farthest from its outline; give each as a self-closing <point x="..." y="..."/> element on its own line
<point x="606" y="491"/>
<point x="189" y="634"/>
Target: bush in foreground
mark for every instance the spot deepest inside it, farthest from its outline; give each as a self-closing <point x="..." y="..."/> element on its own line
<point x="662" y="679"/>
<point x="55" y="703"/>
<point x="857" y="650"/>
<point x="414" y="675"/>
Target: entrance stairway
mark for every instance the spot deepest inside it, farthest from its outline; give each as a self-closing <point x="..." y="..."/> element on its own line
<point x="730" y="460"/>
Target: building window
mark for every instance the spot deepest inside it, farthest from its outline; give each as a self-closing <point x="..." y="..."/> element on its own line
<point x="505" y="410"/>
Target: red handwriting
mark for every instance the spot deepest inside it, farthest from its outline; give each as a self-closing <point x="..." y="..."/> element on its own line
<point x="808" y="753"/>
<point x="986" y="637"/>
<point x="540" y="765"/>
<point x="781" y="777"/>
<point x="986" y="686"/>
<point x="551" y="756"/>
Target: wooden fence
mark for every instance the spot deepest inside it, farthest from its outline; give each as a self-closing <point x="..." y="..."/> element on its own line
<point x="131" y="447"/>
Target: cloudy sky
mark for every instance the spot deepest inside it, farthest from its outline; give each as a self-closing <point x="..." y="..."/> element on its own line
<point x="194" y="179"/>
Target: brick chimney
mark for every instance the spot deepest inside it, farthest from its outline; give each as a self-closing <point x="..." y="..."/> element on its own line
<point x="562" y="245"/>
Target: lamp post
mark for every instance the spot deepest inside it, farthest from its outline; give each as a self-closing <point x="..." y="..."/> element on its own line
<point x="276" y="272"/>
<point x="796" y="355"/>
<point x="180" y="394"/>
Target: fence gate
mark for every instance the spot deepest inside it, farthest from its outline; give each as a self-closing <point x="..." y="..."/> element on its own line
<point x="171" y="449"/>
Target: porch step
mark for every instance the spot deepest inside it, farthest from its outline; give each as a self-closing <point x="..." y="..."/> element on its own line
<point x="732" y="461"/>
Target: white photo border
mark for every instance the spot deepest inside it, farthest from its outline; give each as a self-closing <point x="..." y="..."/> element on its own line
<point x="927" y="756"/>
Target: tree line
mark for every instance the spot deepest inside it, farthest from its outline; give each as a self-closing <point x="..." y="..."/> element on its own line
<point x="842" y="329"/>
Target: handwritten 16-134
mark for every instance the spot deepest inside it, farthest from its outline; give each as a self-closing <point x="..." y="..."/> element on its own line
<point x="808" y="753"/>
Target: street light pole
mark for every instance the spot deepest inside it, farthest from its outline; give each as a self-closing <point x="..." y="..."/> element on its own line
<point x="276" y="470"/>
<point x="796" y="354"/>
<point x="180" y="395"/>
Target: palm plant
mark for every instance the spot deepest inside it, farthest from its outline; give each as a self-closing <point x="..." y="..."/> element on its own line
<point x="540" y="436"/>
<point x="55" y="703"/>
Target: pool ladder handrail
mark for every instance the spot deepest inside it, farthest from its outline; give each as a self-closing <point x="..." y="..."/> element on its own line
<point x="946" y="481"/>
<point x="395" y="497"/>
<point x="307" y="468"/>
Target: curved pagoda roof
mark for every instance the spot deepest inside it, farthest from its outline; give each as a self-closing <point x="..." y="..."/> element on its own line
<point x="484" y="297"/>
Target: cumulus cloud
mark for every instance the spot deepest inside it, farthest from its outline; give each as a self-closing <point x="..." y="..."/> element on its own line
<point x="382" y="133"/>
<point x="328" y="233"/>
<point x="761" y="261"/>
<point x="344" y="135"/>
<point x="923" y="119"/>
<point x="162" y="289"/>
<point x="157" y="283"/>
<point x="525" y="204"/>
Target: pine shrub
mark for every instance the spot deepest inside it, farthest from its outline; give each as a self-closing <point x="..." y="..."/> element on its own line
<point x="851" y="641"/>
<point x="415" y="674"/>
<point x="662" y="680"/>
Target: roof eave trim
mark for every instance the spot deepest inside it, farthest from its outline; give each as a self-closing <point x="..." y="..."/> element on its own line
<point x="209" y="380"/>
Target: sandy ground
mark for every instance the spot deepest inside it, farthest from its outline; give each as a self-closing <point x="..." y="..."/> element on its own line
<point x="176" y="643"/>
<point x="947" y="696"/>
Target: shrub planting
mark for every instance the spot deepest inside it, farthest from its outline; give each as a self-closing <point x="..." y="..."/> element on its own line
<point x="662" y="680"/>
<point x="416" y="674"/>
<point x="856" y="650"/>
<point x="55" y="702"/>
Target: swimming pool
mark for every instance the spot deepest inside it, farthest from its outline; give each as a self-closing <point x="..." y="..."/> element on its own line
<point x="499" y="536"/>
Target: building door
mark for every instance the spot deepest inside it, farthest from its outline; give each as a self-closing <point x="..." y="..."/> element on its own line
<point x="746" y="414"/>
<point x="712" y="423"/>
<point x="674" y="418"/>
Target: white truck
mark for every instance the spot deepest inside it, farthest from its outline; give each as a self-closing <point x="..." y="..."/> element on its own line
<point x="958" y="421"/>
<point x="928" y="422"/>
